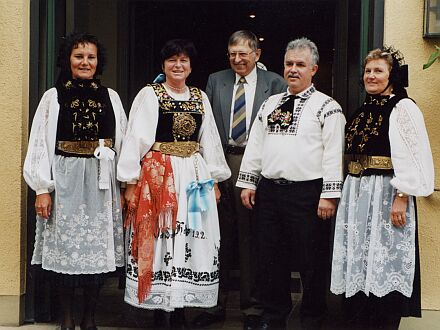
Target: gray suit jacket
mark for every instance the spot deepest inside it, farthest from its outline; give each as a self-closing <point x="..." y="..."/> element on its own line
<point x="220" y="87"/>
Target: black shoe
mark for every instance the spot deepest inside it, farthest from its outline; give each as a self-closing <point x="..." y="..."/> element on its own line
<point x="206" y="319"/>
<point x="251" y="322"/>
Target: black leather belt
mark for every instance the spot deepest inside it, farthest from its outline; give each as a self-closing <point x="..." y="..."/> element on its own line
<point x="234" y="150"/>
<point x="282" y="182"/>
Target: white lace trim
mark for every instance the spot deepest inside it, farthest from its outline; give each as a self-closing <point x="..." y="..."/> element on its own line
<point x="370" y="254"/>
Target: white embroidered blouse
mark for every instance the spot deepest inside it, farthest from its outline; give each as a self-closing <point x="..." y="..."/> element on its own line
<point x="310" y="147"/>
<point x="410" y="150"/>
<point x="37" y="169"/>
<point x="141" y="134"/>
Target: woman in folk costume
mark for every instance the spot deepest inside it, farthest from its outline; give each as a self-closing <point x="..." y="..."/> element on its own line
<point x="71" y="165"/>
<point x="172" y="159"/>
<point x="376" y="256"/>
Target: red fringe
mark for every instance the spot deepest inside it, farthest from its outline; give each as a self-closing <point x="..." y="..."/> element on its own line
<point x="156" y="194"/>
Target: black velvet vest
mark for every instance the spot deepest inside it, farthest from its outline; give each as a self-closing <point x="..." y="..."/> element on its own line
<point x="86" y="112"/>
<point x="178" y="120"/>
<point x="367" y="131"/>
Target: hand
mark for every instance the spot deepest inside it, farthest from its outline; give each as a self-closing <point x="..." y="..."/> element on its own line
<point x="130" y="196"/>
<point x="43" y="205"/>
<point x="326" y="208"/>
<point x="217" y="192"/>
<point x="248" y="198"/>
<point x="398" y="211"/>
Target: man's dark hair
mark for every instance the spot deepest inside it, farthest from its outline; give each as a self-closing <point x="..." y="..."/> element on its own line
<point x="244" y="35"/>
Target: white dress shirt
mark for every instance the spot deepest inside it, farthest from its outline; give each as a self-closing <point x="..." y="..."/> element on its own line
<point x="249" y="94"/>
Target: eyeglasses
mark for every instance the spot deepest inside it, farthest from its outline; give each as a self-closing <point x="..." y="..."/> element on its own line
<point x="240" y="54"/>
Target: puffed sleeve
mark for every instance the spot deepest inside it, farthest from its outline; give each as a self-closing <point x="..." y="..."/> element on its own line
<point x="251" y="164"/>
<point x="140" y="135"/>
<point x="120" y="119"/>
<point x="37" y="165"/>
<point x="210" y="145"/>
<point x="410" y="150"/>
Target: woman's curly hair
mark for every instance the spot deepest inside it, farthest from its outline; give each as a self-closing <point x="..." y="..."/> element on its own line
<point x="71" y="42"/>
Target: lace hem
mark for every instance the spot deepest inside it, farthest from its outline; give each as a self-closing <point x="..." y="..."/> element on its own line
<point x="376" y="290"/>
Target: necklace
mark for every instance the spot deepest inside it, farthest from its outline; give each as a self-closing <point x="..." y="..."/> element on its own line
<point x="176" y="89"/>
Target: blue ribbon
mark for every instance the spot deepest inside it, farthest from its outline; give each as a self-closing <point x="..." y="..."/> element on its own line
<point x="198" y="201"/>
<point x="159" y="79"/>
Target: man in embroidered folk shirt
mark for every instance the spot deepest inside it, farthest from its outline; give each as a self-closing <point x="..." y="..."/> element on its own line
<point x="292" y="176"/>
<point x="236" y="94"/>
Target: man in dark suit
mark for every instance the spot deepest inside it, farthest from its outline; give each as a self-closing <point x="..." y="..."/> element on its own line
<point x="236" y="95"/>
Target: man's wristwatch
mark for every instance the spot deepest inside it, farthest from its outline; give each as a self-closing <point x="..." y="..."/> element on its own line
<point x="401" y="194"/>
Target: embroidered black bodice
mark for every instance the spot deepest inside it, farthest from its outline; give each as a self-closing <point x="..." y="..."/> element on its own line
<point x="366" y="132"/>
<point x="86" y="112"/>
<point x="178" y="120"/>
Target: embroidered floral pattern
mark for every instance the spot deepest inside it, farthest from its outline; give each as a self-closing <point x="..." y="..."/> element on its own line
<point x="85" y="106"/>
<point x="408" y="132"/>
<point x="370" y="254"/>
<point x="164" y="298"/>
<point x="362" y="128"/>
<point x="286" y="122"/>
<point x="80" y="238"/>
<point x="166" y="102"/>
<point x="185" y="114"/>
<point x="371" y="121"/>
<point x="377" y="100"/>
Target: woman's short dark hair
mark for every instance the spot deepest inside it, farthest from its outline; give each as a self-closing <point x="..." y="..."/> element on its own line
<point x="177" y="47"/>
<point x="71" y="42"/>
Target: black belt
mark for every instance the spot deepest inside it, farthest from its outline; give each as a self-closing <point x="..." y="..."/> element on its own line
<point x="282" y="182"/>
<point x="234" y="150"/>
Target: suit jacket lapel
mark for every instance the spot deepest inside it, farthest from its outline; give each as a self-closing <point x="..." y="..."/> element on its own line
<point x="226" y="97"/>
<point x="261" y="93"/>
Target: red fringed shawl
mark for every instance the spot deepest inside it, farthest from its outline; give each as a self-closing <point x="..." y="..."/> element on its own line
<point x="156" y="211"/>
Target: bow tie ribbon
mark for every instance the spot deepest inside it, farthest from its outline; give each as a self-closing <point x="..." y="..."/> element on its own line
<point x="104" y="155"/>
<point x="198" y="193"/>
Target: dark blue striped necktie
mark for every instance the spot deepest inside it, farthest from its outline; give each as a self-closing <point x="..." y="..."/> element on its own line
<point x="238" y="133"/>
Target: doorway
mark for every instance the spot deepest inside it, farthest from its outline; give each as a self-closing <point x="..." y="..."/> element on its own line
<point x="133" y="31"/>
